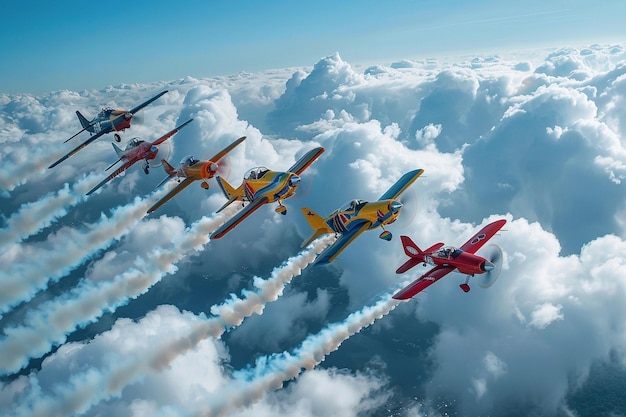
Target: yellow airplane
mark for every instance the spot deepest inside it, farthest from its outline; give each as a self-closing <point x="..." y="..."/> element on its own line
<point x="192" y="169"/>
<point x="357" y="216"/>
<point x="261" y="186"/>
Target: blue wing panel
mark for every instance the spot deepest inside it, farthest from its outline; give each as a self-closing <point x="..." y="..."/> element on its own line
<point x="331" y="252"/>
<point x="401" y="185"/>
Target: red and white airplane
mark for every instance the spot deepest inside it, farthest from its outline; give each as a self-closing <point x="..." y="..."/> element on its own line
<point x="446" y="259"/>
<point x="135" y="151"/>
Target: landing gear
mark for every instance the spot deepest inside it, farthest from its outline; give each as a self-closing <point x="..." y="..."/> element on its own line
<point x="281" y="209"/>
<point x="385" y="235"/>
<point x="204" y="185"/>
<point x="145" y="168"/>
<point x="117" y="137"/>
<point x="465" y="286"/>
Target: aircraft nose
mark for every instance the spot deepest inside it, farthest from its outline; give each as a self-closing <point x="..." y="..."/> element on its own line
<point x="395" y="206"/>
<point x="488" y="266"/>
<point x="153" y="148"/>
<point x="294" y="181"/>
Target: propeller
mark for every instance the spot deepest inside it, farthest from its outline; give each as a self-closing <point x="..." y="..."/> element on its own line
<point x="493" y="266"/>
<point x="164" y="151"/>
<point x="409" y="209"/>
<point x="224" y="167"/>
<point x="138" y="118"/>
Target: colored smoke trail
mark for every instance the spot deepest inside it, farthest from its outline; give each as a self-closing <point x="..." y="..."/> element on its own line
<point x="39" y="265"/>
<point x="33" y="217"/>
<point x="271" y="372"/>
<point x="49" y="324"/>
<point x="89" y="388"/>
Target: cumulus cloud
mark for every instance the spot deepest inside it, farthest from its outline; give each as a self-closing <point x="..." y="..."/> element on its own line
<point x="535" y="141"/>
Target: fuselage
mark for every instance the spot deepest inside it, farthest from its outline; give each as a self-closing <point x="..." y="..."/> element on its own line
<point x="197" y="170"/>
<point x="355" y="212"/>
<point x="140" y="149"/>
<point x="274" y="185"/>
<point x="464" y="262"/>
<point x="110" y="120"/>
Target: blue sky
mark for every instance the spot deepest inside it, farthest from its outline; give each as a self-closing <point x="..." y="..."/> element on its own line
<point x="49" y="46"/>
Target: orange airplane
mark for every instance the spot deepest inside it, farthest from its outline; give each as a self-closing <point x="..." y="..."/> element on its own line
<point x="192" y="169"/>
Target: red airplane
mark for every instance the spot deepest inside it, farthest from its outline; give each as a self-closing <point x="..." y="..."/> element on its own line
<point x="448" y="258"/>
<point x="135" y="151"/>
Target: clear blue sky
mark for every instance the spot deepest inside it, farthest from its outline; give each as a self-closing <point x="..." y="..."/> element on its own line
<point x="53" y="45"/>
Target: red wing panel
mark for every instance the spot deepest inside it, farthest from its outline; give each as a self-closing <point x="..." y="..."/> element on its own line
<point x="114" y="174"/>
<point x="479" y="239"/>
<point x="171" y="133"/>
<point x="423" y="282"/>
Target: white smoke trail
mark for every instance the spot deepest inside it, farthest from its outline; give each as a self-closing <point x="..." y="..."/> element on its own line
<point x="67" y="249"/>
<point x="49" y="324"/>
<point x="34" y="217"/>
<point x="17" y="168"/>
<point x="93" y="386"/>
<point x="271" y="372"/>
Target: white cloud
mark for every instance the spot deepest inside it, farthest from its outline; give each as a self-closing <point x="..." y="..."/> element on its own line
<point x="536" y="142"/>
<point x="545" y="314"/>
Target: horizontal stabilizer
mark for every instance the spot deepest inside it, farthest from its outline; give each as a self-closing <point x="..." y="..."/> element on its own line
<point x="408" y="265"/>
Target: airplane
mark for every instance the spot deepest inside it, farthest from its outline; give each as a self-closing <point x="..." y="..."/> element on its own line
<point x="357" y="216"/>
<point x="261" y="186"/>
<point x="192" y="169"/>
<point x="107" y="121"/>
<point x="446" y="259"/>
<point x="136" y="150"/>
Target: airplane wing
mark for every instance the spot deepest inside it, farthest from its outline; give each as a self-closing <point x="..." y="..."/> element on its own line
<point x="79" y="147"/>
<point x="227" y="149"/>
<point x="479" y="239"/>
<point x="238" y="218"/>
<point x="304" y="162"/>
<point x="145" y="103"/>
<point x="423" y="282"/>
<point x="114" y="174"/>
<point x="78" y="133"/>
<point x="402" y="184"/>
<point x="171" y="133"/>
<point x="331" y="252"/>
<point x="180" y="187"/>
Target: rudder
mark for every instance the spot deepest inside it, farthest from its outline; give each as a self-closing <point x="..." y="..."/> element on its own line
<point x="83" y="120"/>
<point x="317" y="223"/>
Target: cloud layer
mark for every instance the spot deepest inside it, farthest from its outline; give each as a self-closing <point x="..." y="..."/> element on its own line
<point x="538" y="142"/>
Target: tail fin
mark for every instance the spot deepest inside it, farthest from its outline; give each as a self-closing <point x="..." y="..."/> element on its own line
<point x="317" y="223"/>
<point x="169" y="169"/>
<point x="83" y="120"/>
<point x="410" y="248"/>
<point x="118" y="151"/>
<point x="230" y="193"/>
<point x="415" y="254"/>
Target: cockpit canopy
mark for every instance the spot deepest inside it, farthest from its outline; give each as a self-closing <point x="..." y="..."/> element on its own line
<point x="352" y="205"/>
<point x="133" y="143"/>
<point x="189" y="160"/>
<point x="255" y="173"/>
<point x="447" y="252"/>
